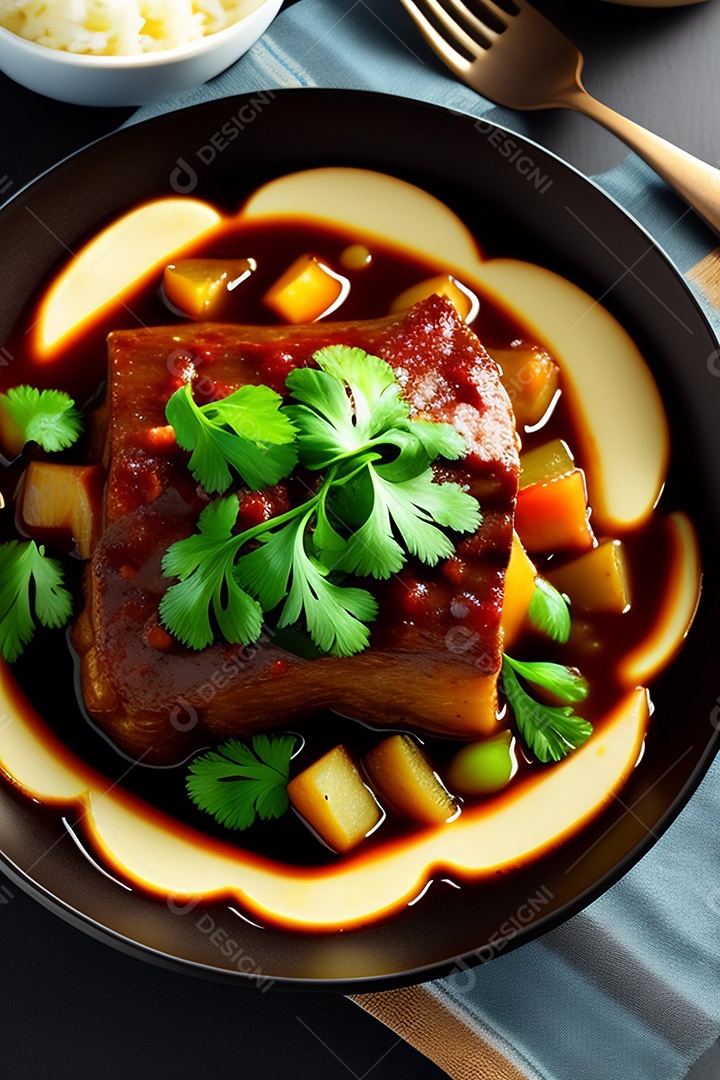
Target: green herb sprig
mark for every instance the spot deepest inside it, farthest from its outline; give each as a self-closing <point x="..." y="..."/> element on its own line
<point x="237" y="783"/>
<point x="245" y="431"/>
<point x="549" y="611"/>
<point x="375" y="504"/>
<point x="47" y="417"/>
<point x="29" y="583"/>
<point x="550" y="732"/>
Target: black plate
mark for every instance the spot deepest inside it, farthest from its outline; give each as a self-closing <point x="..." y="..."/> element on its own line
<point x="463" y="162"/>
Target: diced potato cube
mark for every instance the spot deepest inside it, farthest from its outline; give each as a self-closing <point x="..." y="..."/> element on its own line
<point x="519" y="588"/>
<point x="531" y="378"/>
<point x="597" y="580"/>
<point x="334" y="801"/>
<point x="553" y="515"/>
<point x="66" y="497"/>
<point x="463" y="300"/>
<point x="203" y="288"/>
<point x="306" y="291"/>
<point x="546" y="462"/>
<point x="404" y="779"/>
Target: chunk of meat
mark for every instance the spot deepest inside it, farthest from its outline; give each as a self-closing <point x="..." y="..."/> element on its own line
<point x="435" y="652"/>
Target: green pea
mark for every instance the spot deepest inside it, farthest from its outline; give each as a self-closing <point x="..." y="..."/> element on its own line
<point x="482" y="768"/>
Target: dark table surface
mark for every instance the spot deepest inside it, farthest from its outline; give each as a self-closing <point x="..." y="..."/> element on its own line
<point x="72" y="1007"/>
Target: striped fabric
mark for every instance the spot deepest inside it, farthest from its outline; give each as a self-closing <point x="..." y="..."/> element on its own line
<point x="630" y="988"/>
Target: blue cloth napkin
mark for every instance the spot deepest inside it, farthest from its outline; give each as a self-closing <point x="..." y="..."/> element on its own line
<point x="630" y="988"/>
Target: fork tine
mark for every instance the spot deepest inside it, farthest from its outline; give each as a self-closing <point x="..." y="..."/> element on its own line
<point x="475" y="21"/>
<point x="462" y="37"/>
<point x="455" y="60"/>
<point x="500" y="12"/>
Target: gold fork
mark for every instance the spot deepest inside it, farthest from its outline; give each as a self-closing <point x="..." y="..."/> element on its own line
<point x="508" y="52"/>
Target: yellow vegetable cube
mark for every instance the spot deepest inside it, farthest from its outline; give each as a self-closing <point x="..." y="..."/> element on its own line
<point x="307" y="291"/>
<point x="597" y="580"/>
<point x="547" y="462"/>
<point x="463" y="300"/>
<point x="63" y="497"/>
<point x="519" y="589"/>
<point x="203" y="288"/>
<point x="404" y="779"/>
<point x="334" y="801"/>
<point x="531" y="378"/>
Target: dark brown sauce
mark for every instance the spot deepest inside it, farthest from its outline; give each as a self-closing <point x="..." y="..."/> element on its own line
<point x="596" y="647"/>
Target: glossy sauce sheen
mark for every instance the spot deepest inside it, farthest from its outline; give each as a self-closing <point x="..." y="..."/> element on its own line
<point x="596" y="646"/>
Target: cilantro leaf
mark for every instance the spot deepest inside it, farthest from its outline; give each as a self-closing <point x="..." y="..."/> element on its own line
<point x="265" y="572"/>
<point x="246" y="431"/>
<point x="23" y="563"/>
<point x="335" y="615"/>
<point x="565" y="683"/>
<point x="549" y="611"/>
<point x="237" y="783"/>
<point x="47" y="417"/>
<point x="204" y="563"/>
<point x="415" y="504"/>
<point x="550" y="732"/>
<point x="325" y="431"/>
<point x="438" y="440"/>
<point x="372" y="550"/>
<point x="280" y="568"/>
<point x="375" y="391"/>
<point x="332" y="424"/>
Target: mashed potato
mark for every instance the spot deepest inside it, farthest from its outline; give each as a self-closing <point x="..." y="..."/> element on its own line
<point x="119" y="27"/>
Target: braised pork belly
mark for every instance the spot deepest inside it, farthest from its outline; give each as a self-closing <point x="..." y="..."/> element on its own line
<point x="435" y="650"/>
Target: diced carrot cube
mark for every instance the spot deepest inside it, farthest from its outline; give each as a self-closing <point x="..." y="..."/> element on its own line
<point x="306" y="291"/>
<point x="553" y="515"/>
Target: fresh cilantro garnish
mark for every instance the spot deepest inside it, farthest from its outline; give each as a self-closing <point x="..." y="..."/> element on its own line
<point x="550" y="732"/>
<point x="47" y="417"/>
<point x="333" y="424"/>
<point x="563" y="682"/>
<point x="549" y="611"/>
<point x="376" y="504"/>
<point x="245" y="430"/>
<point x="204" y="563"/>
<point x="412" y="509"/>
<point x="22" y="565"/>
<point x="284" y="566"/>
<point x="237" y="783"/>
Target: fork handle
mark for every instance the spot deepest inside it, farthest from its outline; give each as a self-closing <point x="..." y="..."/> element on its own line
<point x="695" y="180"/>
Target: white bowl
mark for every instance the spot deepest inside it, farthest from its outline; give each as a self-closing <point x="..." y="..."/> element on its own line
<point x="130" y="80"/>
